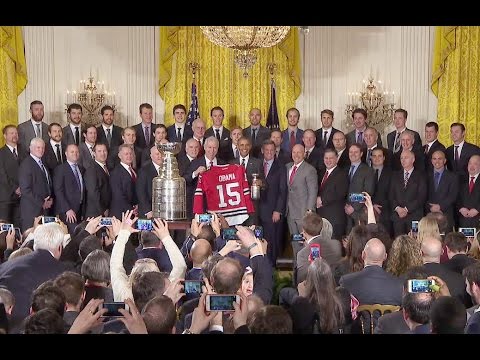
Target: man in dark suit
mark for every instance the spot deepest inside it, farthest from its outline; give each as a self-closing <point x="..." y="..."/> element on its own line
<point x="122" y="181"/>
<point x="256" y="132"/>
<point x="35" y="127"/>
<point x="432" y="144"/>
<point x="468" y="203"/>
<point x="219" y="131"/>
<point x="107" y="133"/>
<point x="69" y="189"/>
<point x="407" y="141"/>
<point x="383" y="176"/>
<point x="97" y="184"/>
<point x="373" y="285"/>
<point x="144" y="131"/>
<point x="360" y="123"/>
<point x="283" y="156"/>
<point x="332" y="192"/>
<point x="457" y="247"/>
<point x="408" y="192"/>
<point x="273" y="198"/>
<point x="292" y="135"/>
<point x="252" y="165"/>
<point x="231" y="151"/>
<point x="340" y="145"/>
<point x="54" y="149"/>
<point x="313" y="154"/>
<point x="87" y="155"/>
<point x="324" y="135"/>
<point x="72" y="133"/>
<point x="180" y="131"/>
<point x="25" y="274"/>
<point x="36" y="185"/>
<point x="128" y="137"/>
<point x="144" y="183"/>
<point x="460" y="152"/>
<point x="393" y="138"/>
<point x="442" y="188"/>
<point x="160" y="137"/>
<point x="192" y="148"/>
<point x="370" y="137"/>
<point x="11" y="155"/>
<point x="198" y="128"/>
<point x="361" y="180"/>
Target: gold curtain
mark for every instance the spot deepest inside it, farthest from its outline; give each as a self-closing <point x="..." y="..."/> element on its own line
<point x="456" y="80"/>
<point x="13" y="73"/>
<point x="220" y="82"/>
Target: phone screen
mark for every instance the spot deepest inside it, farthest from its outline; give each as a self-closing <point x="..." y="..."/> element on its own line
<point x="258" y="232"/>
<point x="314" y="252"/>
<point x="7" y="227"/>
<point x="113" y="309"/>
<point x="205" y="218"/>
<point x="106" y="221"/>
<point x="193" y="286"/>
<point x="48" y="219"/>
<point x="221" y="302"/>
<point x="468" y="232"/>
<point x="144" y="224"/>
<point x="420" y="285"/>
<point x="357" y="197"/>
<point x="297" y="237"/>
<point x="229" y="234"/>
<point x="415" y="226"/>
<point x="18" y="233"/>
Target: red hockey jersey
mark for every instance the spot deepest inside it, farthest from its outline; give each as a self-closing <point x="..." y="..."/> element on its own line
<point x="227" y="191"/>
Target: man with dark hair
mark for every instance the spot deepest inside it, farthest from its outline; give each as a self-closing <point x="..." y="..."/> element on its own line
<point x="48" y="297"/>
<point x="472" y="279"/>
<point x="159" y="315"/>
<point x="382" y="177"/>
<point x="324" y="135"/>
<point x="97" y="184"/>
<point x="219" y="131"/>
<point x="448" y="316"/>
<point x="145" y="130"/>
<point x="432" y="143"/>
<point x="129" y="138"/>
<point x="283" y="156"/>
<point x="54" y="148"/>
<point x="46" y="321"/>
<point x="73" y="287"/>
<point x="87" y="154"/>
<point x="460" y="152"/>
<point x="179" y="131"/>
<point x="292" y="135"/>
<point x="36" y="127"/>
<point x="72" y="133"/>
<point x="359" y="117"/>
<point x="271" y="319"/>
<point x="107" y="133"/>
<point x="143" y="185"/>
<point x="416" y="308"/>
<point x="152" y="248"/>
<point x="393" y="138"/>
<point x="457" y="246"/>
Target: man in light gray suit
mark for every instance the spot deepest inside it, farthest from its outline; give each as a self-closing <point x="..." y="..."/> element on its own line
<point x="256" y="132"/>
<point x="302" y="189"/>
<point x="87" y="155"/>
<point x="35" y="127"/>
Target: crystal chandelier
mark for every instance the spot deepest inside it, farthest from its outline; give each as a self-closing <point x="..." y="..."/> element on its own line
<point x="245" y="40"/>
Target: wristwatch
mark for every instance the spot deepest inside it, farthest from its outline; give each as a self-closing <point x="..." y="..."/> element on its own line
<point x="252" y="246"/>
<point x="187" y="331"/>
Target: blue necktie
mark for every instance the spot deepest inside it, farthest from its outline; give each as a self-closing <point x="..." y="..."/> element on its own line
<point x="77" y="177"/>
<point x="352" y="170"/>
<point x="436" y="179"/>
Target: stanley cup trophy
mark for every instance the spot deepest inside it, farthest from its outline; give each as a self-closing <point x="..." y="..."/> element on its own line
<point x="168" y="189"/>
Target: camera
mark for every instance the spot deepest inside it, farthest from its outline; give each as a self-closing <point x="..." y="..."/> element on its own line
<point x="357" y="197"/>
<point x="215" y="302"/>
<point x="205" y="218"/>
<point x="421" y="286"/>
<point x="297" y="237"/>
<point x="144" y="224"/>
<point x="193" y="286"/>
<point x="48" y="219"/>
<point x="468" y="232"/>
<point x="106" y="221"/>
<point x="7" y="227"/>
<point x="229" y="234"/>
<point x="113" y="309"/>
<point x="258" y="232"/>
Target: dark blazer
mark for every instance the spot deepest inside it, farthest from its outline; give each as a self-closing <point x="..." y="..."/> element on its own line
<point x="67" y="194"/>
<point x="68" y="138"/>
<point x="144" y="188"/>
<point x="224" y="140"/>
<point x="344" y="160"/>
<point x="86" y="160"/>
<point x="382" y="191"/>
<point x="351" y="138"/>
<point x="459" y="262"/>
<point x="273" y="196"/>
<point x="172" y="134"/>
<point x="460" y="168"/>
<point x="284" y="156"/>
<point x="286" y="139"/>
<point x="140" y="136"/>
<point x="388" y="156"/>
<point x="391" y="140"/>
<point x="392" y="323"/>
<point x="445" y="195"/>
<point x="26" y="133"/>
<point x="34" y="188"/>
<point x="183" y="163"/>
<point x="262" y="134"/>
<point x="419" y="163"/>
<point x="99" y="193"/>
<point x="9" y="173"/>
<point x="116" y="136"/>
<point x="254" y="166"/>
<point x="25" y="274"/>
<point x="319" y="135"/>
<point x="413" y="197"/>
<point x="124" y="195"/>
<point x="49" y="158"/>
<point x="315" y="158"/>
<point x="455" y="281"/>
<point x="333" y="195"/>
<point x="362" y="180"/>
<point x="437" y="145"/>
<point x="262" y="278"/>
<point x="469" y="201"/>
<point x="159" y="255"/>
<point x="113" y="160"/>
<point x="373" y="285"/>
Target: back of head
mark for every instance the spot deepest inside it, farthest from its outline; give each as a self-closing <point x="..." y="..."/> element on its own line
<point x="312" y="224"/>
<point x="345" y="298"/>
<point x="149" y="239"/>
<point x="417" y="306"/>
<point x="448" y="316"/>
<point x="208" y="234"/>
<point x="49" y="297"/>
<point x="89" y="244"/>
<point x="431" y="250"/>
<point x="442" y="221"/>
<point x="46" y="321"/>
<point x="6" y="298"/>
<point x="472" y="273"/>
<point x="327" y="229"/>
<point x="209" y="264"/>
<point x="20" y="252"/>
<point x="96" y="266"/>
<point x="159" y="315"/>
<point x="357" y="239"/>
<point x="416" y="272"/>
<point x="72" y="286"/>
<point x="48" y="237"/>
<point x="200" y="251"/>
<point x="226" y="277"/>
<point x="456" y="242"/>
<point x="427" y="227"/>
<point x="374" y="252"/>
<point x="141" y="266"/>
<point x="404" y="254"/>
<point x="271" y="319"/>
<point x="147" y="286"/>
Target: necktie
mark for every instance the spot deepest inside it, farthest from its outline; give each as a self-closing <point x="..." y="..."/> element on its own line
<point x="307" y="154"/>
<point x="352" y="172"/>
<point x="236" y="153"/>
<point x="325" y="133"/>
<point x="179" y="134"/>
<point x="159" y="171"/>
<point x="109" y="137"/>
<point x="77" y="136"/>
<point x="405" y="180"/>
<point x="217" y="134"/>
<point x="292" y="140"/>
<point x="396" y="147"/>
<point x="360" y="137"/>
<point x="254" y="135"/>
<point x="426" y="149"/>
<point x="15" y="153"/>
<point x="265" y="168"/>
<point x="436" y="177"/>
<point x="46" y="174"/>
<point x="377" y="175"/>
<point x="292" y="175"/>
<point x="106" y="169"/>
<point x="324" y="179"/>
<point x="457" y="156"/>
<point x="211" y="164"/>
<point x="39" y="130"/>
<point x="243" y="163"/>
<point x="201" y="151"/>
<point x="132" y="173"/>
<point x="146" y="130"/>
<point x="92" y="154"/>
<point x="59" y="154"/>
<point x="471" y="184"/>
<point x="77" y="177"/>
<point x="369" y="156"/>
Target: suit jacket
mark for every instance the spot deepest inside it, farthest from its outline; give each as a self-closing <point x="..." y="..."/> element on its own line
<point x="223" y="143"/>
<point x="116" y="136"/>
<point x="382" y="191"/>
<point x="437" y="145"/>
<point x="254" y="166"/>
<point x="157" y="254"/>
<point x="351" y="138"/>
<point x="302" y="193"/>
<point x="262" y="134"/>
<point x="25" y="274"/>
<point x="86" y="160"/>
<point x="419" y="163"/>
<point x="445" y="195"/>
<point x="172" y="134"/>
<point x="315" y="158"/>
<point x="469" y="201"/>
<point x="183" y="163"/>
<point x="49" y="158"/>
<point x="373" y="285"/>
<point x="459" y="262"/>
<point x="144" y="188"/>
<point x="284" y="156"/>
<point x="333" y="195"/>
<point x="113" y="160"/>
<point x="262" y="278"/>
<point x="124" y="195"/>
<point x="362" y="180"/>
<point x="391" y="140"/>
<point x="413" y="196"/>
<point x="455" y="281"/>
<point x="392" y="323"/>
<point x="26" y="132"/>
<point x="388" y="157"/>
<point x="140" y="136"/>
<point x="273" y="196"/>
<point x="67" y="194"/>
<point x="9" y="173"/>
<point x="286" y="139"/>
<point x="473" y="324"/>
<point x="319" y="135"/>
<point x="330" y="251"/>
<point x="344" y="160"/>
<point x="460" y="168"/>
<point x="68" y="137"/>
<point x="99" y="193"/>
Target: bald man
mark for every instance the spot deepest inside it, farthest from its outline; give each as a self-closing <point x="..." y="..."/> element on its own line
<point x="431" y="252"/>
<point x="373" y="285"/>
<point x="200" y="251"/>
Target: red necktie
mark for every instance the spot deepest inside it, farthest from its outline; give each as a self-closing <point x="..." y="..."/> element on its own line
<point x="292" y="140"/>
<point x="471" y="184"/>
<point x="201" y="151"/>
<point x="132" y="173"/>
<point x="292" y="175"/>
<point x="325" y="177"/>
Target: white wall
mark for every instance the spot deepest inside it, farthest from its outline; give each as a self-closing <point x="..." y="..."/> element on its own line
<point x="335" y="61"/>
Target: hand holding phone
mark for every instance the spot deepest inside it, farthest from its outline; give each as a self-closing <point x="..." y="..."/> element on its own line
<point x="468" y="232"/>
<point x="357" y="197"/>
<point x="48" y="219"/>
<point x="297" y="237"/>
<point x="314" y="252"/>
<point x="144" y="225"/>
<point x="204" y="218"/>
<point x="112" y="309"/>
<point x="421" y="286"/>
<point x="229" y="234"/>
<point x="258" y="231"/>
<point x="106" y="221"/>
<point x="193" y="286"/>
<point x="215" y="302"/>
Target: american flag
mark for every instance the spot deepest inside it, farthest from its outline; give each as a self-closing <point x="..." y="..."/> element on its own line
<point x="272" y="119"/>
<point x="193" y="112"/>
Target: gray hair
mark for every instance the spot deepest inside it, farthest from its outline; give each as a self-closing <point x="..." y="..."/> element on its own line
<point x="48" y="237"/>
<point x="211" y="139"/>
<point x="36" y="140"/>
<point x="96" y="266"/>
